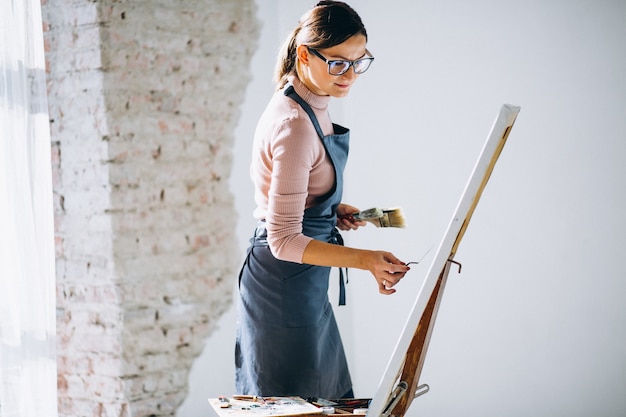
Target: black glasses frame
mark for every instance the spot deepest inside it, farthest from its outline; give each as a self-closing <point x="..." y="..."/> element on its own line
<point x="342" y="61"/>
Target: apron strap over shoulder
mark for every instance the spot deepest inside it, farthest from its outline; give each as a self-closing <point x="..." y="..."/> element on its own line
<point x="291" y="93"/>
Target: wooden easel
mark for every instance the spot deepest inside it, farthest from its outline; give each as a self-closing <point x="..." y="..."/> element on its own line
<point x="400" y="385"/>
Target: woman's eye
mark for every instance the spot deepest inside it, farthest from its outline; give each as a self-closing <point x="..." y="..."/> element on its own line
<point x="338" y="65"/>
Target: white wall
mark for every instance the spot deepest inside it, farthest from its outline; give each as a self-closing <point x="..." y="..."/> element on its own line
<point x="536" y="322"/>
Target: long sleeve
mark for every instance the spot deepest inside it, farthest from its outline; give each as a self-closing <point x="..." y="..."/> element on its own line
<point x="290" y="169"/>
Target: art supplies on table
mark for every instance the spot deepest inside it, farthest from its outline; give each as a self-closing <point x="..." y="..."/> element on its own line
<point x="254" y="406"/>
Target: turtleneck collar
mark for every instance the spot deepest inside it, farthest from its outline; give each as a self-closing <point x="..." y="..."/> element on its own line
<point x="315" y="101"/>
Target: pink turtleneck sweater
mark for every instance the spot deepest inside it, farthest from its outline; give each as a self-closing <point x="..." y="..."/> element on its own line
<point x="290" y="168"/>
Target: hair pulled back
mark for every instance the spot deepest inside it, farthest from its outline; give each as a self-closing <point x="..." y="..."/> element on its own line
<point x="327" y="24"/>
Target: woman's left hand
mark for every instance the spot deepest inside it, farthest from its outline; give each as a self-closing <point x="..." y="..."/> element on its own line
<point x="345" y="221"/>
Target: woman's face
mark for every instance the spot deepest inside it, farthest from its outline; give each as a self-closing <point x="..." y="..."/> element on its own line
<point x="314" y="70"/>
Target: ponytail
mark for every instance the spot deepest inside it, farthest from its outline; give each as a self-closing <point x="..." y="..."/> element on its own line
<point x="286" y="63"/>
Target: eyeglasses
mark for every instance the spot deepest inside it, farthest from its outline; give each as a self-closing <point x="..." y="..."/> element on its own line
<point x="340" y="66"/>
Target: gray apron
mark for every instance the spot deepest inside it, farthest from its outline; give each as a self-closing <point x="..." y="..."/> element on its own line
<point x="288" y="342"/>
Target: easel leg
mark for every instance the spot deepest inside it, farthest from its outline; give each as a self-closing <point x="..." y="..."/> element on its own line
<point x="416" y="354"/>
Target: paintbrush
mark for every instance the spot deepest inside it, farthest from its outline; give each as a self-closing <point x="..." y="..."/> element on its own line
<point x="391" y="217"/>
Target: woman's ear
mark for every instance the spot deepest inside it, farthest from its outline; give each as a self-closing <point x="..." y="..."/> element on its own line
<point x="303" y="54"/>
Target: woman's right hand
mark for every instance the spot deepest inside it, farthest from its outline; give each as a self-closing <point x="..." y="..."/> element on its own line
<point x="387" y="270"/>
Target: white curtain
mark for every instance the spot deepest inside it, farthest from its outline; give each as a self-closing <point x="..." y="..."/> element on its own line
<point x="27" y="276"/>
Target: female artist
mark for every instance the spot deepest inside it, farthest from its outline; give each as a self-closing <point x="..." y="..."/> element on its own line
<point x="287" y="338"/>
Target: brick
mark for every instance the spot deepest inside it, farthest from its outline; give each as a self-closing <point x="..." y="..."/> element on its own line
<point x="143" y="101"/>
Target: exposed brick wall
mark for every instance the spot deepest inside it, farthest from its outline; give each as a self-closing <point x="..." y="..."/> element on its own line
<point x="144" y="97"/>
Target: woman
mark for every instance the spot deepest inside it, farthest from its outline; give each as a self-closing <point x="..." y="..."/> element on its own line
<point x="287" y="338"/>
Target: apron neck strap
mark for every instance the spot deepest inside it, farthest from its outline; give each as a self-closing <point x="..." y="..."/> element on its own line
<point x="291" y="93"/>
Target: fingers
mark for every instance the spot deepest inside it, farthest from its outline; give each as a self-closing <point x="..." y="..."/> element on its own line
<point x="395" y="268"/>
<point x="386" y="268"/>
<point x="389" y="280"/>
<point x="348" y="223"/>
<point x="394" y="271"/>
<point x="346" y="209"/>
<point x="391" y="258"/>
<point x="345" y="218"/>
<point x="384" y="287"/>
<point x="385" y="291"/>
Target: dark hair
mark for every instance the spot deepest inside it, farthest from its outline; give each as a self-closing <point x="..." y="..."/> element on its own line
<point x="327" y="24"/>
